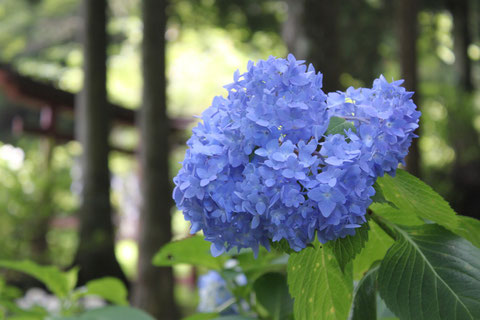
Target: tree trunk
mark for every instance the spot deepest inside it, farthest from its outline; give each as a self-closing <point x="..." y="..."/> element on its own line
<point x="462" y="39"/>
<point x="465" y="173"/>
<point x="95" y="254"/>
<point x="311" y="33"/>
<point x="154" y="288"/>
<point x="407" y="12"/>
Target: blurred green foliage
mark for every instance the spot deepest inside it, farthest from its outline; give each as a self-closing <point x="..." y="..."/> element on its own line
<point x="67" y="298"/>
<point x="24" y="204"/>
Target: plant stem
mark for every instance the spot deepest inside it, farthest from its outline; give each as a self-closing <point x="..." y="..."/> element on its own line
<point x="384" y="224"/>
<point x="226" y="305"/>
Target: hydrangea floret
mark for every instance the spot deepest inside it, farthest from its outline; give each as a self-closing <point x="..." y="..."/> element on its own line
<point x="264" y="166"/>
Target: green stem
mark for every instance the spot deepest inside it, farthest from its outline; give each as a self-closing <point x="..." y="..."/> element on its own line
<point x="226" y="305"/>
<point x="232" y="286"/>
<point x="384" y="224"/>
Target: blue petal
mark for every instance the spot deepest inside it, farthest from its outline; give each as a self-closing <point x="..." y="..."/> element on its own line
<point x="255" y="222"/>
<point x="215" y="251"/>
<point x="261" y="207"/>
<point x="326" y="207"/>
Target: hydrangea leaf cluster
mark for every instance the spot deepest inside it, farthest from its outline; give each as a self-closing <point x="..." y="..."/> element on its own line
<point x="263" y="165"/>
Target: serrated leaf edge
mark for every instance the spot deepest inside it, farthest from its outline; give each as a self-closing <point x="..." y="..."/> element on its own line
<point x="408" y="239"/>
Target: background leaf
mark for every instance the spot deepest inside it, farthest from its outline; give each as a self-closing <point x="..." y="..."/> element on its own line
<point x="364" y="305"/>
<point x="338" y="126"/>
<point x="265" y="262"/>
<point x="375" y="249"/>
<point x="345" y="249"/>
<point x="379" y="197"/>
<point x="202" y="316"/>
<point x="234" y="317"/>
<point x="383" y="312"/>
<point x="112" y="313"/>
<point x="194" y="250"/>
<point x="254" y="268"/>
<point x="58" y="282"/>
<point x="271" y="291"/>
<point x="110" y="289"/>
<point x="415" y="201"/>
<point x="431" y="273"/>
<point x="469" y="228"/>
<point x="282" y="246"/>
<point x="320" y="289"/>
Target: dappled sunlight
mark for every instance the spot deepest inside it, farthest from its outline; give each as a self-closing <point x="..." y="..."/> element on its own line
<point x="12" y="156"/>
<point x="200" y="63"/>
<point x="127" y="255"/>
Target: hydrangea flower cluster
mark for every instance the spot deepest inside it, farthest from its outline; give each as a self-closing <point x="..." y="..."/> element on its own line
<point x="263" y="165"/>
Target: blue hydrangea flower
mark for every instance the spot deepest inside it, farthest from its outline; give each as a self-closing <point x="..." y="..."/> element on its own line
<point x="384" y="117"/>
<point x="261" y="166"/>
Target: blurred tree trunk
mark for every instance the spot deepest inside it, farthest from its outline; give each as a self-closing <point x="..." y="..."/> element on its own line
<point x="95" y="253"/>
<point x="311" y="33"/>
<point x="407" y="12"/>
<point x="362" y="26"/>
<point x="154" y="288"/>
<point x="463" y="136"/>
<point x="462" y="39"/>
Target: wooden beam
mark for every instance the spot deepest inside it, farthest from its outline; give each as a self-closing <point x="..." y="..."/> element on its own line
<point x="37" y="94"/>
<point x="19" y="127"/>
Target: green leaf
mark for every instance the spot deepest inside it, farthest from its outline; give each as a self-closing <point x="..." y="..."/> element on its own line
<point x="265" y="260"/>
<point x="16" y="313"/>
<point x="375" y="249"/>
<point x="413" y="196"/>
<point x="345" y="249"/>
<point x="338" y="126"/>
<point x="281" y="246"/>
<point x="9" y="292"/>
<point x="113" y="313"/>
<point x="469" y="228"/>
<point x="110" y="289"/>
<point x="26" y="316"/>
<point x="72" y="277"/>
<point x="365" y="296"/>
<point x="379" y="197"/>
<point x="202" y="316"/>
<point x="194" y="250"/>
<point x="417" y="202"/>
<point x="8" y="295"/>
<point x="255" y="268"/>
<point x="58" y="282"/>
<point x="383" y="312"/>
<point x="271" y="291"/>
<point x="431" y="273"/>
<point x="320" y="289"/>
<point x="216" y="316"/>
<point x="234" y="318"/>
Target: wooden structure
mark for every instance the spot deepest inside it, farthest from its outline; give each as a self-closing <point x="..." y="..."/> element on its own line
<point x="52" y="102"/>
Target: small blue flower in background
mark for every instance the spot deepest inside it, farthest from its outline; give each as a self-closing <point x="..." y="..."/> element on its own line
<point x="214" y="293"/>
<point x="262" y="167"/>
